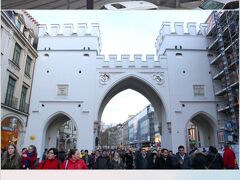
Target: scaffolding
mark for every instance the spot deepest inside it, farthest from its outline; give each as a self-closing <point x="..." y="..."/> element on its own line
<point x="223" y="54"/>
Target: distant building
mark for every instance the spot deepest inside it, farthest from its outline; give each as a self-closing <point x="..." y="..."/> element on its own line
<point x="19" y="40"/>
<point x="143" y="128"/>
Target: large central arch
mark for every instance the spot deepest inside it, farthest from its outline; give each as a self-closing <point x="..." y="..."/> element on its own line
<point x="144" y="88"/>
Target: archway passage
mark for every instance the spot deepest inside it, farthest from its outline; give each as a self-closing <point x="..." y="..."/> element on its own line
<point x="145" y="89"/>
<point x="61" y="132"/>
<point x="201" y="131"/>
<point x="11" y="132"/>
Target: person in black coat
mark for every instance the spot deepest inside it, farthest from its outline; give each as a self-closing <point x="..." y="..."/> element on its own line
<point x="199" y="160"/>
<point x="215" y="160"/>
<point x="62" y="155"/>
<point x="165" y="161"/>
<point x="87" y="159"/>
<point x="103" y="161"/>
<point x="142" y="161"/>
<point x="154" y="161"/>
<point x="129" y="159"/>
<point x="181" y="160"/>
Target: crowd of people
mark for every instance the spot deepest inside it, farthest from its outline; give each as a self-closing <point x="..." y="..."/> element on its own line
<point x="118" y="159"/>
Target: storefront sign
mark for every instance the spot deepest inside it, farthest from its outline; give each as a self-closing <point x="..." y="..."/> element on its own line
<point x="4" y="128"/>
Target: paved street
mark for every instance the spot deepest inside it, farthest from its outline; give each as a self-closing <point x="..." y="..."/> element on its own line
<point x="71" y="4"/>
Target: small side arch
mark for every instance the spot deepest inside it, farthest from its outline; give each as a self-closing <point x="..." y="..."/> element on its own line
<point x="56" y="119"/>
<point x="201" y="128"/>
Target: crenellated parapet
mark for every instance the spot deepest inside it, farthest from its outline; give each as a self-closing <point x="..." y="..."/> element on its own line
<point x="178" y="30"/>
<point x="69" y="37"/>
<point x="69" y="29"/>
<point x="127" y="61"/>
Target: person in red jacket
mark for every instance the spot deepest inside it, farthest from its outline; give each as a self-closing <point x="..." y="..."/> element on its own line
<point x="30" y="157"/>
<point x="73" y="161"/>
<point x="229" y="158"/>
<point x="24" y="157"/>
<point x="51" y="161"/>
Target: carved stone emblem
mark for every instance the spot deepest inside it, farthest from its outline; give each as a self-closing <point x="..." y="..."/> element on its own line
<point x="159" y="78"/>
<point x="103" y="78"/>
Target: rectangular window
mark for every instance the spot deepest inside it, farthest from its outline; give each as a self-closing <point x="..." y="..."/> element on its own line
<point x="10" y="90"/>
<point x="198" y="90"/>
<point x="62" y="90"/>
<point x="23" y="105"/>
<point x="16" y="54"/>
<point x="18" y="25"/>
<point x="28" y="66"/>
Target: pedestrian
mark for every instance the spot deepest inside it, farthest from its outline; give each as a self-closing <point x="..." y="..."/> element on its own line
<point x="142" y="161"/>
<point x="62" y="155"/>
<point x="51" y="161"/>
<point x="31" y="158"/>
<point x="87" y="159"/>
<point x="229" y="158"/>
<point x="129" y="159"/>
<point x="170" y="154"/>
<point x="181" y="160"/>
<point x="103" y="161"/>
<point x="153" y="161"/>
<point x="73" y="161"/>
<point x="215" y="160"/>
<point x="95" y="155"/>
<point x="199" y="160"/>
<point x="2" y="151"/>
<point x="116" y="162"/>
<point x="165" y="160"/>
<point x="24" y="157"/>
<point x="44" y="156"/>
<point x="10" y="158"/>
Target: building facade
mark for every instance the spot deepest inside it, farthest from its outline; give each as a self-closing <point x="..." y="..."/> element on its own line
<point x="223" y="56"/>
<point x="75" y="82"/>
<point x="18" y="56"/>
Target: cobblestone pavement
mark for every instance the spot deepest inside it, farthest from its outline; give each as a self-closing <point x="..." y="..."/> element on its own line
<point x="72" y="4"/>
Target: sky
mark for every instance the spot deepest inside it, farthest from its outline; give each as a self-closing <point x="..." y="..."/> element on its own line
<point x="123" y="32"/>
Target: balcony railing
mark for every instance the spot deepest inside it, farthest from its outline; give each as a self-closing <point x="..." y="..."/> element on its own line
<point x="24" y="107"/>
<point x="12" y="102"/>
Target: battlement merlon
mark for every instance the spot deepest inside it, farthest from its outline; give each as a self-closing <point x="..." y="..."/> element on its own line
<point x="127" y="57"/>
<point x="68" y="30"/>
<point x="127" y="61"/>
<point x="179" y="30"/>
<point x="203" y="29"/>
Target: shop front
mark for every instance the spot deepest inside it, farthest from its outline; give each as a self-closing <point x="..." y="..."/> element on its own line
<point x="11" y="132"/>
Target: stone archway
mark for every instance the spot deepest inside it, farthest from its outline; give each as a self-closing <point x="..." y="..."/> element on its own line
<point x="147" y="90"/>
<point x="201" y="131"/>
<point x="59" y="128"/>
